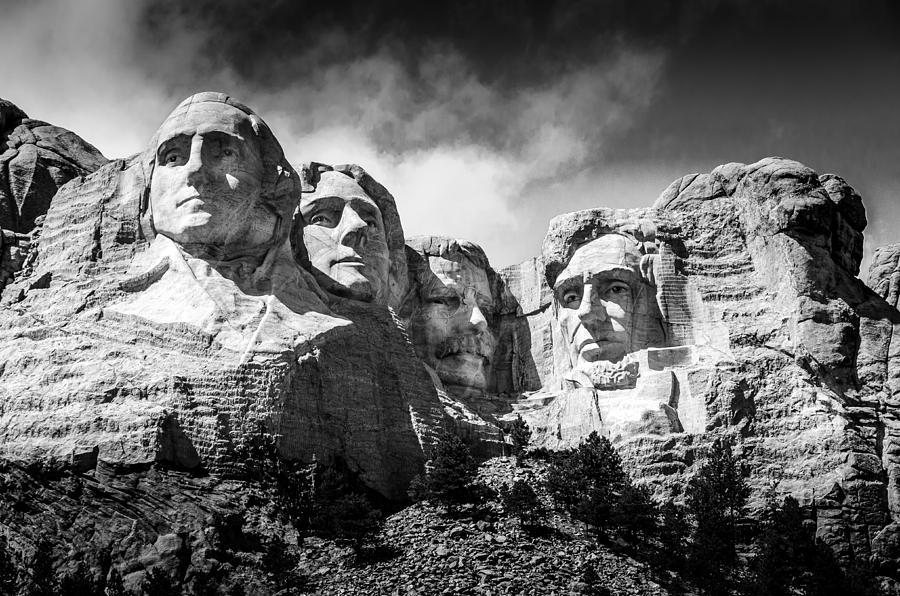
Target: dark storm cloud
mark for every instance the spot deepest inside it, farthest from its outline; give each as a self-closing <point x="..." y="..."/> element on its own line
<point x="487" y="118"/>
<point x="505" y="47"/>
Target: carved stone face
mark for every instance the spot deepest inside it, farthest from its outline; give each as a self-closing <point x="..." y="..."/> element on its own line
<point x="450" y="327"/>
<point x="207" y="178"/>
<point x="345" y="239"/>
<point x="595" y="301"/>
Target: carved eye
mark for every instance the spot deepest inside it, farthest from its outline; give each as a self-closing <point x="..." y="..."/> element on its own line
<point x="618" y="290"/>
<point x="322" y="218"/>
<point x="571" y="297"/>
<point x="445" y="301"/>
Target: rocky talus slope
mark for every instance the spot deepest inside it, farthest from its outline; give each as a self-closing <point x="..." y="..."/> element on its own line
<point x="185" y="526"/>
<point x="486" y="552"/>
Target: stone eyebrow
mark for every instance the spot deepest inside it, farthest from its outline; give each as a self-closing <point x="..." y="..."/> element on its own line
<point x="221" y="134"/>
<point x="567" y="282"/>
<point x="166" y="144"/>
<point x="316" y="203"/>
<point x="370" y="208"/>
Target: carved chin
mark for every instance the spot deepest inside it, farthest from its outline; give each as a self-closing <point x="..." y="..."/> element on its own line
<point x="603" y="351"/>
<point x="349" y="281"/>
<point x="464" y="370"/>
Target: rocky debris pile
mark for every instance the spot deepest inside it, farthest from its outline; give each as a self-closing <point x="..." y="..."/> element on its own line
<point x="193" y="530"/>
<point x="483" y="550"/>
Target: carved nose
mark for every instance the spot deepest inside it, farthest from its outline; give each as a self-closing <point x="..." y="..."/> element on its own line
<point x="195" y="169"/>
<point x="352" y="228"/>
<point x="591" y="307"/>
<point x="477" y="319"/>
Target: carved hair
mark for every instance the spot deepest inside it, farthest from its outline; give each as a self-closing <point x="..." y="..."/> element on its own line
<point x="452" y="249"/>
<point x="570" y="231"/>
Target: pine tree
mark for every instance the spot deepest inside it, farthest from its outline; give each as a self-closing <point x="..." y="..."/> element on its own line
<point x="521" y="501"/>
<point x="341" y="509"/>
<point x="673" y="532"/>
<point x="287" y="484"/>
<point x="634" y="512"/>
<point x="520" y="435"/>
<point x="588" y="481"/>
<point x="114" y="584"/>
<point x="78" y="582"/>
<point x="790" y="560"/>
<point x="452" y="470"/>
<point x="716" y="497"/>
<point x="782" y="548"/>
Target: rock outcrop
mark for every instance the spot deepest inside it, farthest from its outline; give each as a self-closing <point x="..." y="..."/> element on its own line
<point x="36" y="160"/>
<point x="90" y="383"/>
<point x="771" y="340"/>
<point x="146" y="348"/>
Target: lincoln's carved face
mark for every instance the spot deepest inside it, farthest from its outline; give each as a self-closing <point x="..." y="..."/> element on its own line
<point x="450" y="327"/>
<point x="595" y="300"/>
<point x="207" y="178"/>
<point x="345" y="239"/>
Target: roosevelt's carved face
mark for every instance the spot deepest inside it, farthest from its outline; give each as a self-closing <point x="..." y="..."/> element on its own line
<point x="450" y="327"/>
<point x="207" y="178"/>
<point x="595" y="301"/>
<point x="345" y="239"/>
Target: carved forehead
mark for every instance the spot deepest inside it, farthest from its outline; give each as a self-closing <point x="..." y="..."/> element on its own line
<point x="336" y="184"/>
<point x="205" y="117"/>
<point x="454" y="278"/>
<point x="612" y="255"/>
<point x="461" y="272"/>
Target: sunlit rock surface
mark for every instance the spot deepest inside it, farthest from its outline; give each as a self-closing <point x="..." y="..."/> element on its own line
<point x="36" y="159"/>
<point x="770" y="340"/>
<point x="731" y="307"/>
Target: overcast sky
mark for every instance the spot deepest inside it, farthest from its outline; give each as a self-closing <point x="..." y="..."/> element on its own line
<point x="485" y="119"/>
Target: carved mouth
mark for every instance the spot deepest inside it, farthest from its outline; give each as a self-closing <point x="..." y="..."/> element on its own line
<point x="478" y="346"/>
<point x="599" y="342"/>
<point x="186" y="199"/>
<point x="351" y="260"/>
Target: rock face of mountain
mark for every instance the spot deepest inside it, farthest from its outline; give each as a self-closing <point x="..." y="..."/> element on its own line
<point x="770" y="339"/>
<point x="91" y="381"/>
<point x="36" y="159"/>
<point x="142" y="351"/>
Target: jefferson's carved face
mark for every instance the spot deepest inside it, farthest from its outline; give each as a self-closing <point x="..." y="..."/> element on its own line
<point x="207" y="178"/>
<point x="450" y="327"/>
<point x="345" y="238"/>
<point x="595" y="299"/>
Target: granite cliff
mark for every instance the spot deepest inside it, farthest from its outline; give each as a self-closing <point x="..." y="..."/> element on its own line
<point x="141" y="361"/>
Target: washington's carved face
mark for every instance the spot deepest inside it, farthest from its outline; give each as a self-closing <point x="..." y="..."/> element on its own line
<point x="595" y="299"/>
<point x="450" y="328"/>
<point x="207" y="178"/>
<point x="345" y="239"/>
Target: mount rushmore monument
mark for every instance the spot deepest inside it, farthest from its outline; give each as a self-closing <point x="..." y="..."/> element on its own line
<point x="159" y="310"/>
